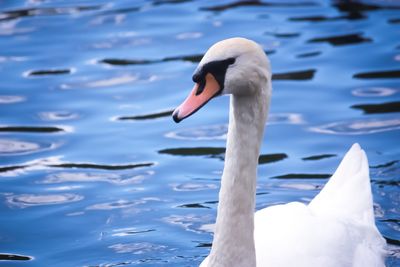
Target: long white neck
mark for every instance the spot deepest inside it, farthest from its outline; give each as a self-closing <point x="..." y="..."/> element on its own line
<point x="233" y="243"/>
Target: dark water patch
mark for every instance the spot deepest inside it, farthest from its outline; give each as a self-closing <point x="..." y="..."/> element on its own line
<point x="121" y="10"/>
<point x="31" y="129"/>
<point x="355" y="10"/>
<point x="295" y="75"/>
<point x="303" y="176"/>
<point x="283" y="35"/>
<point x="387" y="107"/>
<point x="392" y="241"/>
<point x="203" y="245"/>
<point x="359" y="127"/>
<point x="310" y="54"/>
<point x="45" y="11"/>
<point x="388" y="183"/>
<point x="212" y="202"/>
<point x="397" y="221"/>
<point x="318" y="157"/>
<point x="14" y="257"/>
<point x="125" y="62"/>
<point x="48" y="72"/>
<point x="194" y="205"/>
<point x="385" y="165"/>
<point x="218" y="152"/>
<point x="147" y="116"/>
<point x="394" y="21"/>
<point x="338" y="40"/>
<point x="100" y="166"/>
<point x="12" y="168"/>
<point x="314" y="18"/>
<point x="390" y="74"/>
<point x="194" y="151"/>
<point x="237" y="4"/>
<point x="163" y="2"/>
<point x="270" y="158"/>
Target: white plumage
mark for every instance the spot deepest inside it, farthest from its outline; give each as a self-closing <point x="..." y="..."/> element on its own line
<point x="336" y="229"/>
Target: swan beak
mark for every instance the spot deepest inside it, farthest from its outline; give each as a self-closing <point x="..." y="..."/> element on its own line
<point x="197" y="98"/>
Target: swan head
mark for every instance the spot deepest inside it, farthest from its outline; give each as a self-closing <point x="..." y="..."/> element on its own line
<point x="236" y="66"/>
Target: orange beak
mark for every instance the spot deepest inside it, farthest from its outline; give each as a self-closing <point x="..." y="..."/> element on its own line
<point x="195" y="101"/>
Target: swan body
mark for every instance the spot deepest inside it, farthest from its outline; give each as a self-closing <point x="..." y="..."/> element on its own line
<point x="336" y="229"/>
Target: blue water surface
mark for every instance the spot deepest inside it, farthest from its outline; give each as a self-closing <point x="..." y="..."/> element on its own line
<point x="93" y="171"/>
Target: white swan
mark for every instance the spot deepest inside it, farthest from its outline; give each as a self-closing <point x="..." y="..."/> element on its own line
<point x="337" y="229"/>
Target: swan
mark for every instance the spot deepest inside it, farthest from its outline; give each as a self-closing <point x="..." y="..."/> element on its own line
<point x="336" y="229"/>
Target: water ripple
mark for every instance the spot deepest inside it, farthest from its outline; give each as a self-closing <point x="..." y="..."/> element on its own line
<point x="108" y="82"/>
<point x="219" y="131"/>
<point x="57" y="115"/>
<point x="112" y="178"/>
<point x="16" y="147"/>
<point x="11" y="99"/>
<point x="193" y="187"/>
<point x="29" y="200"/>
<point x="357" y="127"/>
<point x="46" y="11"/>
<point x="190" y="222"/>
<point x="137" y="248"/>
<point x="374" y="92"/>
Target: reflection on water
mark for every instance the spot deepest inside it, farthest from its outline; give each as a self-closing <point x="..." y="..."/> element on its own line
<point x="113" y="178"/>
<point x="358" y="127"/>
<point x="374" y="92"/>
<point x="10" y="99"/>
<point x="137" y="248"/>
<point x="12" y="147"/>
<point x="118" y="183"/>
<point x="29" y="200"/>
<point x="57" y="115"/>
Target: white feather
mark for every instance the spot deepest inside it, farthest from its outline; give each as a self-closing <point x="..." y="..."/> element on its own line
<point x="337" y="229"/>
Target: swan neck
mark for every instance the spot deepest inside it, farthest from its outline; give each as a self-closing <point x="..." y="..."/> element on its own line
<point x="233" y="243"/>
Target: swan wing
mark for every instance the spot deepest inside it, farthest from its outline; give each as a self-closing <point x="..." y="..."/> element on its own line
<point x="347" y="194"/>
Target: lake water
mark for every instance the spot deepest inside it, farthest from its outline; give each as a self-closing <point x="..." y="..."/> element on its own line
<point x="94" y="172"/>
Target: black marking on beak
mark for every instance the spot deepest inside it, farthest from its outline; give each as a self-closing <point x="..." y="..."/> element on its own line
<point x="175" y="116"/>
<point x="217" y="68"/>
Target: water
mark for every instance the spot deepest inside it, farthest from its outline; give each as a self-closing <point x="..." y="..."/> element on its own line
<point x="95" y="173"/>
